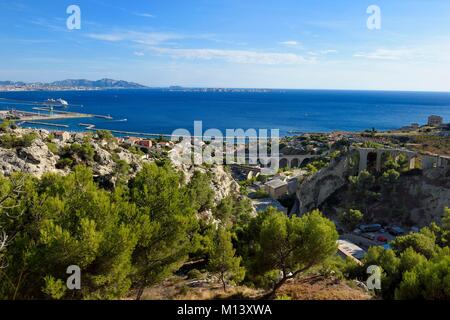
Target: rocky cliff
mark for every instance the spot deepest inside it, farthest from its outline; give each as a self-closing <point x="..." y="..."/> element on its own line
<point x="419" y="199"/>
<point x="36" y="158"/>
<point x="316" y="189"/>
<point x="222" y="182"/>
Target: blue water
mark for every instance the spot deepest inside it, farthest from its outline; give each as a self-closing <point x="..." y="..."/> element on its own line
<point x="160" y="111"/>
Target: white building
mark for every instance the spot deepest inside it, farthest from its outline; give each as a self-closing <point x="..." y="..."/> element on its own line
<point x="349" y="249"/>
<point x="276" y="188"/>
<point x="435" y="121"/>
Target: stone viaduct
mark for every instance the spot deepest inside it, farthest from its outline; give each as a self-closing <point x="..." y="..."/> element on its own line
<point x="295" y="161"/>
<point x="374" y="156"/>
<point x="315" y="189"/>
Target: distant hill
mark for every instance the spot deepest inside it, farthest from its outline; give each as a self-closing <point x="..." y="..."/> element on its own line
<point x="84" y="83"/>
<point x="102" y="83"/>
<point x="11" y="83"/>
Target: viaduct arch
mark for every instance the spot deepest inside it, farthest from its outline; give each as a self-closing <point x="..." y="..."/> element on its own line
<point x="370" y="156"/>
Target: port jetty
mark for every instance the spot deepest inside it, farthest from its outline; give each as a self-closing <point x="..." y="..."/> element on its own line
<point x="41" y="116"/>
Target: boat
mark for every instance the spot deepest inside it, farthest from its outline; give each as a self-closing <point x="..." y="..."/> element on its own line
<point x="57" y="102"/>
<point x="63" y="102"/>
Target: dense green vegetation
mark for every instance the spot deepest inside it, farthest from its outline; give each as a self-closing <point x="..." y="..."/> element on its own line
<point x="140" y="233"/>
<point x="131" y="237"/>
<point x="74" y="153"/>
<point x="370" y="188"/>
<point x="417" y="266"/>
<point x="276" y="248"/>
<point x="12" y="141"/>
<point x="149" y="227"/>
<point x="351" y="219"/>
<point x="223" y="259"/>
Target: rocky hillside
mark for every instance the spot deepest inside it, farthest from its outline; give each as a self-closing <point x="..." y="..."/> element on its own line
<point x="317" y="188"/>
<point x="38" y="151"/>
<point x="222" y="182"/>
<point x="417" y="197"/>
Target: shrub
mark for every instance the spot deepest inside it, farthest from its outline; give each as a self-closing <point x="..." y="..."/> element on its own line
<point x="10" y="141"/>
<point x="52" y="147"/>
<point x="195" y="274"/>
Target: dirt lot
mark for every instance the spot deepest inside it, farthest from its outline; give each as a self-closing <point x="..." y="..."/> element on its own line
<point x="319" y="288"/>
<point x="311" y="288"/>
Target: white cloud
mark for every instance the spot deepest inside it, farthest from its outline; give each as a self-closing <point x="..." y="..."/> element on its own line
<point x="139" y="53"/>
<point x="153" y="41"/>
<point x="153" y="38"/>
<point x="106" y="37"/>
<point x="144" y="14"/>
<point x="322" y="52"/>
<point x="235" y="56"/>
<point x="145" y="38"/>
<point x="291" y="43"/>
<point x="385" y="54"/>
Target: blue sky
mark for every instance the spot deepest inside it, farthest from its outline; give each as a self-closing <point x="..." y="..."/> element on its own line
<point x="253" y="43"/>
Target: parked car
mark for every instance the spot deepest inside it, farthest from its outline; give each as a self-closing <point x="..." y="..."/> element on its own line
<point x="382" y="239"/>
<point x="396" y="231"/>
<point x="370" y="227"/>
<point x="369" y="236"/>
<point x="340" y="230"/>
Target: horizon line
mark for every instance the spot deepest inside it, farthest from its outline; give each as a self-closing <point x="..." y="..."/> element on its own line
<point x="224" y="87"/>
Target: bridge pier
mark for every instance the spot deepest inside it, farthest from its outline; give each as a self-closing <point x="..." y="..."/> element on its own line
<point x="378" y="164"/>
<point x="411" y="161"/>
<point x="429" y="162"/>
<point x="363" y="154"/>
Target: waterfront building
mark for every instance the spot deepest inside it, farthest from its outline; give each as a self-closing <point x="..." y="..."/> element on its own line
<point x="435" y="121"/>
<point x="276" y="188"/>
<point x="145" y="143"/>
<point x="62" y="135"/>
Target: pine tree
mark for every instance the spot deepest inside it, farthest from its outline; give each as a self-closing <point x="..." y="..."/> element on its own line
<point x="293" y="245"/>
<point x="223" y="260"/>
<point x="167" y="224"/>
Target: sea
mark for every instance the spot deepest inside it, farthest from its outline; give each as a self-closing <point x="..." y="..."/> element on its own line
<point x="291" y="111"/>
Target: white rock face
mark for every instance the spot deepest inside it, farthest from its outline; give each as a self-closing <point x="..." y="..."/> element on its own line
<point x="314" y="190"/>
<point x="38" y="159"/>
<point x="426" y="195"/>
<point x="432" y="195"/>
<point x="222" y="183"/>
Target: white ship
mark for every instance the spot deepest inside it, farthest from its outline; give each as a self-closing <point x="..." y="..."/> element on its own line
<point x="57" y="102"/>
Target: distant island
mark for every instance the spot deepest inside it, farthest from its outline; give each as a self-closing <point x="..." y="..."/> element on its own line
<point x="205" y="89"/>
<point x="70" y="84"/>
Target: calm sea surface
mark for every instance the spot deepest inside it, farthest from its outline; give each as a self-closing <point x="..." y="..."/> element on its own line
<point x="160" y="111"/>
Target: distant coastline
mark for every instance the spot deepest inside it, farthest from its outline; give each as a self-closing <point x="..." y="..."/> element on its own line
<point x="69" y="85"/>
<point x="111" y="84"/>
